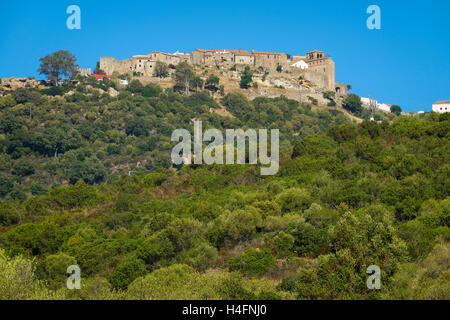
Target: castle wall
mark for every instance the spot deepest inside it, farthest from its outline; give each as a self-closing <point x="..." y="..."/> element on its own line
<point x="327" y="68"/>
<point x="270" y="61"/>
<point x="321" y="69"/>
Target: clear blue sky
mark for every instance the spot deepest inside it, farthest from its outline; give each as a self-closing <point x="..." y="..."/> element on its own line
<point x="407" y="62"/>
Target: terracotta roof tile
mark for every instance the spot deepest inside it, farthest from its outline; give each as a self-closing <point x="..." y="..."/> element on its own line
<point x="442" y="102"/>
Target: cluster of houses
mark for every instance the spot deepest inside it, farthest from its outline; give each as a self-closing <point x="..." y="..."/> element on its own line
<point x="369" y="102"/>
<point x="438" y="107"/>
<point x="315" y="61"/>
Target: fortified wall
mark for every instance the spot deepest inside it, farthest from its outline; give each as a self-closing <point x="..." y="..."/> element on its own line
<point x="315" y="67"/>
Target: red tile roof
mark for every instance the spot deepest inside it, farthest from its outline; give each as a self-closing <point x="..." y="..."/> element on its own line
<point x="442" y="102"/>
<point x="100" y="76"/>
<point x="265" y="52"/>
<point x="240" y="52"/>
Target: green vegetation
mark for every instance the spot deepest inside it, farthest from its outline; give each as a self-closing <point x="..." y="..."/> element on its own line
<point x="184" y="74"/>
<point x="47" y="142"/>
<point x="57" y="64"/>
<point x="353" y="104"/>
<point x="86" y="180"/>
<point x="246" y="78"/>
<point x="212" y="82"/>
<point x="97" y="69"/>
<point x="397" y="110"/>
<point x="161" y="69"/>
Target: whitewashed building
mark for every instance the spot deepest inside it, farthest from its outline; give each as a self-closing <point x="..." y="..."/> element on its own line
<point x="384" y="107"/>
<point x="380" y="106"/>
<point x="441" y="106"/>
<point x="301" y="64"/>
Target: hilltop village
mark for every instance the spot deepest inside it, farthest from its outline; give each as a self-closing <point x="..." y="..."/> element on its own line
<point x="308" y="78"/>
<point x="297" y="77"/>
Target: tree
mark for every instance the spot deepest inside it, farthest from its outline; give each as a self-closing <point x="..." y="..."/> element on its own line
<point x="349" y="87"/>
<point x="395" y="109"/>
<point x="59" y="63"/>
<point x="184" y="74"/>
<point x="246" y="78"/>
<point x="161" y="69"/>
<point x="353" y="104"/>
<point x="197" y="82"/>
<point x="279" y="68"/>
<point x="212" y="82"/>
<point x="18" y="280"/>
<point x="130" y="269"/>
<point x="357" y="240"/>
<point x="135" y="86"/>
<point x="97" y="69"/>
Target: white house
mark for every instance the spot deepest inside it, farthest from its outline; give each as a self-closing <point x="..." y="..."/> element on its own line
<point x="300" y="64"/>
<point x="441" y="106"/>
<point x="366" y="101"/>
<point x="380" y="106"/>
<point x="124" y="82"/>
<point x="384" y="107"/>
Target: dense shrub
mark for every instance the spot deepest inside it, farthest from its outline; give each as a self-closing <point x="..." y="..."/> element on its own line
<point x="253" y="262"/>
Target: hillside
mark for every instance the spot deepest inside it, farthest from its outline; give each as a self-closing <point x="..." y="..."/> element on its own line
<point x="88" y="134"/>
<point x="86" y="180"/>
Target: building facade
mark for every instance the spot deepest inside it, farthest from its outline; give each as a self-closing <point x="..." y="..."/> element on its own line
<point x="441" y="106"/>
<point x="318" y="62"/>
<point x="315" y="66"/>
<point x="144" y="64"/>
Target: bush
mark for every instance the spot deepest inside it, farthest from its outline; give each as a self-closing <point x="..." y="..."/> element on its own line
<point x="253" y="262"/>
<point x="135" y="86"/>
<point x="54" y="91"/>
<point x="18" y="281"/>
<point x="201" y="257"/>
<point x="38" y="190"/>
<point x="240" y="225"/>
<point x="6" y="185"/>
<point x="284" y="244"/>
<point x="23" y="168"/>
<point x="331" y="103"/>
<point x="156" y="178"/>
<point x="129" y="270"/>
<point x="53" y="269"/>
<point x="74" y="196"/>
<point x="151" y="91"/>
<point x="294" y="199"/>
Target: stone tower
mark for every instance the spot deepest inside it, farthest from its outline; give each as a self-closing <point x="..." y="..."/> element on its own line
<point x="318" y="62"/>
